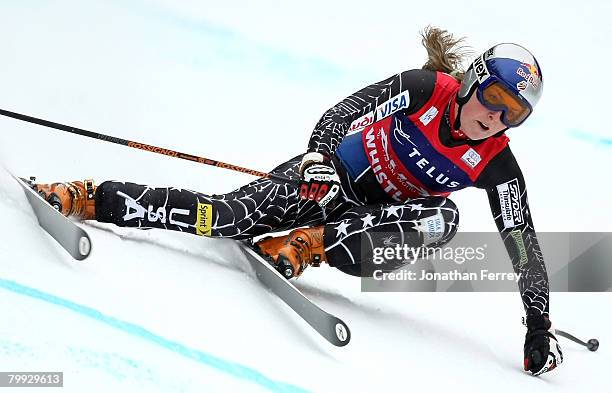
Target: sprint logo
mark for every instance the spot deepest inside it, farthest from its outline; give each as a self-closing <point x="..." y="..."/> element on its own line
<point x="204" y="219"/>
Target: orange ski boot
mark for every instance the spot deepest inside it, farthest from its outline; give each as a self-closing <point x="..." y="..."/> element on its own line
<point x="74" y="199"/>
<point x="293" y="253"/>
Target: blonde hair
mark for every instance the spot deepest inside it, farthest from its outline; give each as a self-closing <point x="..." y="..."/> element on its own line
<point x="445" y="53"/>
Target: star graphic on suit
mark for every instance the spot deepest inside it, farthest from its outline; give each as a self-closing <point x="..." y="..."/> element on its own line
<point x="341" y="229"/>
<point x="416" y="206"/>
<point x="392" y="210"/>
<point x="367" y="221"/>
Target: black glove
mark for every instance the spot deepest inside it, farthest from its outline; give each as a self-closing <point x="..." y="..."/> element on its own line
<point x="318" y="179"/>
<point x="542" y="351"/>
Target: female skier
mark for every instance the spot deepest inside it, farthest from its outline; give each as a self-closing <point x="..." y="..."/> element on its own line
<point x="382" y="160"/>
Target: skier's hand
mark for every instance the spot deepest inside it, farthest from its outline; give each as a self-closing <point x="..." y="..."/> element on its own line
<point x="318" y="179"/>
<point x="542" y="351"/>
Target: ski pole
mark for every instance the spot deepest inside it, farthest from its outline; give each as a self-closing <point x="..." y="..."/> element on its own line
<point x="591" y="345"/>
<point x="143" y="146"/>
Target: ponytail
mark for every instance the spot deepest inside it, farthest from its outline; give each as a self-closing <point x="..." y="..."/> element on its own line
<point x="445" y="53"/>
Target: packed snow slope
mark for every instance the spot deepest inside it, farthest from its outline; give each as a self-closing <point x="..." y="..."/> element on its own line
<point x="155" y="311"/>
<point x="158" y="311"/>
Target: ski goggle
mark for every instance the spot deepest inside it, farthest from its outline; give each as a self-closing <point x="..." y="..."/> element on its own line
<point x="496" y="96"/>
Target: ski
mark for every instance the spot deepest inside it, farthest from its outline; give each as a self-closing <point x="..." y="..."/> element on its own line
<point x="332" y="328"/>
<point x="70" y="236"/>
<point x="78" y="244"/>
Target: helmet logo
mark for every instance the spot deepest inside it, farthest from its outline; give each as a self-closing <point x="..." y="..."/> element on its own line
<point x="522" y="85"/>
<point x="532" y="76"/>
<point x="482" y="73"/>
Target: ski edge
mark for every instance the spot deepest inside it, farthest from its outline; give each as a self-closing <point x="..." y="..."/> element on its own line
<point x="79" y="251"/>
<point x="332" y="328"/>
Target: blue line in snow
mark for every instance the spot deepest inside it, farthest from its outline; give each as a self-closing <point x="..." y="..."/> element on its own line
<point x="599" y="140"/>
<point x="234" y="369"/>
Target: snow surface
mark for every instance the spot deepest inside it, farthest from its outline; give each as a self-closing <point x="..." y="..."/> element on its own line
<point x="159" y="311"/>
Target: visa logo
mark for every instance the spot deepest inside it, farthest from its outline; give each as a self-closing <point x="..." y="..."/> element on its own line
<point x="392" y="105"/>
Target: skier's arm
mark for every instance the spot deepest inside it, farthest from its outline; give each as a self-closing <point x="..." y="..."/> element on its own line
<point x="505" y="186"/>
<point x="416" y="86"/>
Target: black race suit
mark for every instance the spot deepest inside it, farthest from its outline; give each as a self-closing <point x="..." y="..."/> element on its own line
<point x="366" y="206"/>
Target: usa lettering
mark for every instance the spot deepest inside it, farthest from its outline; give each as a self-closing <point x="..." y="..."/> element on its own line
<point x="155" y="216"/>
<point x="134" y="210"/>
<point x="160" y="215"/>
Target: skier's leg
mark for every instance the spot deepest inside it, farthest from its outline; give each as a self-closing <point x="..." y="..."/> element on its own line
<point x="251" y="210"/>
<point x="303" y="246"/>
<point x="350" y="240"/>
<point x="257" y="208"/>
<point x="347" y="240"/>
